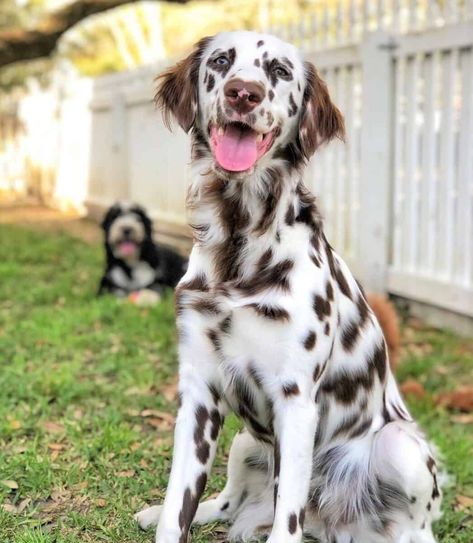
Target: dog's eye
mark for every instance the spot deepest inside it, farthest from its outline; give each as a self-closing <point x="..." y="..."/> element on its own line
<point x="222" y="60"/>
<point x="280" y="71"/>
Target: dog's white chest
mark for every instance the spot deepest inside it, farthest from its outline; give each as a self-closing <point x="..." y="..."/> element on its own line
<point x="142" y="275"/>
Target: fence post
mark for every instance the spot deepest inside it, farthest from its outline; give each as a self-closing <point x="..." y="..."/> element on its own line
<point x="119" y="145"/>
<point x="376" y="148"/>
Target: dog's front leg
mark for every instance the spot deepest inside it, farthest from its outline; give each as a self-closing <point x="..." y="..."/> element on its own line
<point x="295" y="418"/>
<point x="195" y="437"/>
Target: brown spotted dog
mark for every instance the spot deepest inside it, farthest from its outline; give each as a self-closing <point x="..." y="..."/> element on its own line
<point x="273" y="326"/>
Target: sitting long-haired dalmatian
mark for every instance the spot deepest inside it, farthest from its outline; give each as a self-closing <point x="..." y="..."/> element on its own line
<point x="274" y="327"/>
<point x="136" y="266"/>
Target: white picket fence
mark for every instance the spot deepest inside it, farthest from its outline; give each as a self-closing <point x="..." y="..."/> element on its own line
<point x="397" y="196"/>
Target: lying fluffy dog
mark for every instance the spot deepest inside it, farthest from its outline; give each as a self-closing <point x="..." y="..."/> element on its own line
<point x="135" y="264"/>
<point x="274" y="327"/>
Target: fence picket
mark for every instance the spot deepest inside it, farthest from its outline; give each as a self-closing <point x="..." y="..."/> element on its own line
<point x="411" y="181"/>
<point x="429" y="177"/>
<point x="464" y="229"/>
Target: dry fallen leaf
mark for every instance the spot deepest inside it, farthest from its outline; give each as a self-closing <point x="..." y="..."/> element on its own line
<point x="9" y="508"/>
<point x="170" y="391"/>
<point x="51" y="426"/>
<point x="13" y="485"/>
<point x="15" y="424"/>
<point x="100" y="502"/>
<point x="460" y="399"/>
<point x="463" y="503"/>
<point x="56" y="446"/>
<point x="463" y="419"/>
<point x="127" y="473"/>
<point x="135" y="446"/>
<point x="23" y="505"/>
<point x="160" y="424"/>
<point x="413" y="388"/>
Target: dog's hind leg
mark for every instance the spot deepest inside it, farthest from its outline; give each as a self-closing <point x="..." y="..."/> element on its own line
<point x="247" y="477"/>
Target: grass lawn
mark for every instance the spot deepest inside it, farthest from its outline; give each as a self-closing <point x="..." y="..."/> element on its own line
<point x="87" y="397"/>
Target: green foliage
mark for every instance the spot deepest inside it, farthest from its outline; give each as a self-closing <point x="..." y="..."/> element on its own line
<point x="78" y="372"/>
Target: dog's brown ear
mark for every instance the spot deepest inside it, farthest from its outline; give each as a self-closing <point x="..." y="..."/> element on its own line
<point x="177" y="92"/>
<point x="321" y="120"/>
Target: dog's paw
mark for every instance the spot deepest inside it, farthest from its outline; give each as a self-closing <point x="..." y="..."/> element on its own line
<point x="144" y="298"/>
<point x="148" y="517"/>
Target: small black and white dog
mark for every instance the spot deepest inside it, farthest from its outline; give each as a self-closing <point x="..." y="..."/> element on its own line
<point x="134" y="262"/>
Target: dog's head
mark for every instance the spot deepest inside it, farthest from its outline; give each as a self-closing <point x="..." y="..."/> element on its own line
<point x="127" y="230"/>
<point x="249" y="99"/>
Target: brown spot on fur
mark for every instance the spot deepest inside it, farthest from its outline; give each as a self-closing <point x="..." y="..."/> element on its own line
<point x="321" y="307"/>
<point x="327" y="329"/>
<point x="213" y="337"/>
<point x="271" y="95"/>
<point x="257" y="62"/>
<point x="309" y="341"/>
<point x="210" y="83"/>
<point x="202" y="451"/>
<point x="292" y="106"/>
<point x="292" y="523"/>
<point x="260" y="43"/>
<point x="225" y="325"/>
<point x="205" y="306"/>
<point x="270" y="312"/>
<point x="342" y="282"/>
<point x="199" y="282"/>
<point x="255" y="376"/>
<point x="216" y="423"/>
<point x="290" y="389"/>
<point x="276" y="276"/>
<point x="329" y="291"/>
<point x="290" y="217"/>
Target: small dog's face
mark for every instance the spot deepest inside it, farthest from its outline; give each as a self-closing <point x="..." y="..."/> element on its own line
<point x="126" y="228"/>
<point x="250" y="97"/>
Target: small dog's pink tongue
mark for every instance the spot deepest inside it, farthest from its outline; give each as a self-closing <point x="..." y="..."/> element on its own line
<point x="236" y="149"/>
<point x="127" y="248"/>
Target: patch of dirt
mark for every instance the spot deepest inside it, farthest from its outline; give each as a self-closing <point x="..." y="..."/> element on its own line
<point x="51" y="220"/>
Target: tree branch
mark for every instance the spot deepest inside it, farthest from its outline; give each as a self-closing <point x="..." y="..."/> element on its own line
<point x="30" y="43"/>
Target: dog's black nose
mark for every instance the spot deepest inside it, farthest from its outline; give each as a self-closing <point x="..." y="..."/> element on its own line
<point x="127" y="231"/>
<point x="243" y="96"/>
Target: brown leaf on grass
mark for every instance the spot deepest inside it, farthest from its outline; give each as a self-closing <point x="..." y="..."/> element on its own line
<point x="23" y="505"/>
<point x="463" y="419"/>
<point x="460" y="399"/>
<point x="159" y="424"/>
<point x="54" y="427"/>
<point x="126" y="474"/>
<point x="78" y="414"/>
<point x="100" y="502"/>
<point x="412" y="387"/>
<point x="8" y="507"/>
<point x="135" y="446"/>
<point x="463" y="503"/>
<point x="56" y="446"/>
<point x="15" y="424"/>
<point x="170" y="391"/>
<point x="12" y="485"/>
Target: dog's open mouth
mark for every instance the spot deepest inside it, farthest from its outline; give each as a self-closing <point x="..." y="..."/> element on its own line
<point x="127" y="248"/>
<point x="237" y="147"/>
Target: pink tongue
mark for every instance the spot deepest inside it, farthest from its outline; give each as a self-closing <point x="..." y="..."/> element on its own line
<point x="127" y="248"/>
<point x="236" y="150"/>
